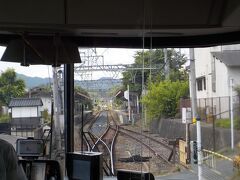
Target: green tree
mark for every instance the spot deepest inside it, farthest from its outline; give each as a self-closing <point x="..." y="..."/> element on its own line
<point x="88" y="102"/>
<point x="10" y="86"/>
<point x="117" y="102"/>
<point x="46" y="116"/>
<point x="4" y="118"/>
<point x="114" y="90"/>
<point x="162" y="99"/>
<point x="156" y="59"/>
<point x="79" y="89"/>
<point x="237" y="118"/>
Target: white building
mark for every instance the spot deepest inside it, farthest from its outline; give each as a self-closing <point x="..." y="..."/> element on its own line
<point x="215" y="66"/>
<point x="44" y="95"/>
<point x="25" y="115"/>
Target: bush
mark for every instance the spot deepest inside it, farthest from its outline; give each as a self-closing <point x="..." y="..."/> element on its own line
<point x="4" y="118"/>
<point x="46" y="116"/>
<point x="162" y="99"/>
<point x="236" y="162"/>
<point x="226" y="123"/>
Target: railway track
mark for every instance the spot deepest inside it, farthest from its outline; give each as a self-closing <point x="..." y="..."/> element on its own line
<point x="159" y="148"/>
<point x="101" y="137"/>
<point x="108" y="138"/>
<point x="104" y="130"/>
<point x="83" y="129"/>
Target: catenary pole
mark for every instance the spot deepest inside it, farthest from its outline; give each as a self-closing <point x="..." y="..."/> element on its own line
<point x="193" y="83"/>
<point x="166" y="63"/>
<point x="56" y="132"/>
<point x="194" y="109"/>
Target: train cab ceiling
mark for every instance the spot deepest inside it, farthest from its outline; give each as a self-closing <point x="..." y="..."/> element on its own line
<point x="119" y="23"/>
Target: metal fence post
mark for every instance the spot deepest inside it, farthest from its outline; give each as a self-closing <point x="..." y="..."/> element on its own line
<point x="213" y="126"/>
<point x="219" y="101"/>
<point x="205" y="103"/>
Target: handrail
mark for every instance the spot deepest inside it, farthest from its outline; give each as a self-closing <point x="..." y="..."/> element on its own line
<point x="217" y="154"/>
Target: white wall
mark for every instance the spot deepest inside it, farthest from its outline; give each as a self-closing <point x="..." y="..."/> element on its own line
<point x="222" y="80"/>
<point x="203" y="68"/>
<point x="203" y="64"/>
<point x="20" y="112"/>
<point x="47" y="104"/>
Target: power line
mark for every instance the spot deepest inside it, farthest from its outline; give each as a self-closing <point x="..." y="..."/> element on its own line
<point x="112" y="68"/>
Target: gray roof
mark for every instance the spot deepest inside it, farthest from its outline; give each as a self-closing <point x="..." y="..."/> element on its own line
<point x="25" y="102"/>
<point x="228" y="57"/>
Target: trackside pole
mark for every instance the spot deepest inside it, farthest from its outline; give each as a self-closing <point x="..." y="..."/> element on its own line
<point x="199" y="148"/>
<point x="194" y="109"/>
<point x="231" y="113"/>
<point x="129" y="109"/>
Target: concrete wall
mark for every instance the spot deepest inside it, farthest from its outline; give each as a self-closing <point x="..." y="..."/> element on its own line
<point x="172" y="129"/>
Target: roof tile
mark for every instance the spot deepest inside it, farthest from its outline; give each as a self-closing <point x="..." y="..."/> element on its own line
<point x="25" y="102"/>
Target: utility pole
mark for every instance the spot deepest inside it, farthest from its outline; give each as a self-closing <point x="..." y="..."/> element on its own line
<point x="193" y="83"/>
<point x="166" y="63"/>
<point x="194" y="110"/>
<point x="231" y="113"/>
<point x="143" y="88"/>
<point x="57" y="110"/>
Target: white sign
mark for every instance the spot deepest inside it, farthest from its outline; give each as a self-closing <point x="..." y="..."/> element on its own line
<point x="144" y="92"/>
<point x="126" y="95"/>
<point x="186" y="115"/>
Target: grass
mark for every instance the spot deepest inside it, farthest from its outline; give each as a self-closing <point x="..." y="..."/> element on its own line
<point x="4" y="118"/>
<point x="226" y="123"/>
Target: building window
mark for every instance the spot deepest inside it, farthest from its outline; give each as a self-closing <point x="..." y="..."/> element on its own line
<point x="201" y="83"/>
<point x="204" y="83"/>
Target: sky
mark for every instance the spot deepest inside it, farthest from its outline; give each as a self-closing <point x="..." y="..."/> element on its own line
<point x="113" y="56"/>
<point x="110" y="56"/>
<point x="36" y="70"/>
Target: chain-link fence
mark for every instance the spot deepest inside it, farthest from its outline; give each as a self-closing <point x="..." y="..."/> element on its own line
<point x="216" y="107"/>
<point x="215" y="113"/>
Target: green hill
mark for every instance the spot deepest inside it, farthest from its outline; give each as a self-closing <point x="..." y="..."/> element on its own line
<point x="31" y="82"/>
<point x="103" y="83"/>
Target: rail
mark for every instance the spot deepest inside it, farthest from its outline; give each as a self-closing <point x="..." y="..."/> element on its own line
<point x="155" y="151"/>
<point x="100" y="139"/>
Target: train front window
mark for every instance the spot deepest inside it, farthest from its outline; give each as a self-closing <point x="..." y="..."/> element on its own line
<point x="134" y="113"/>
